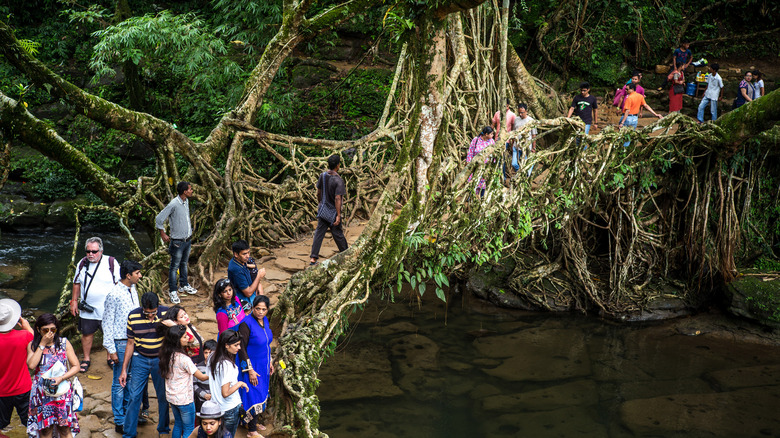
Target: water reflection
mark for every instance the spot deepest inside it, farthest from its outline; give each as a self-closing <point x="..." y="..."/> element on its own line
<point x="495" y="373"/>
<point x="45" y="257"/>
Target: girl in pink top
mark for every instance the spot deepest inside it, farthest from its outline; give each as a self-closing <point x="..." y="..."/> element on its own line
<point x="227" y="306"/>
<point x="177" y="369"/>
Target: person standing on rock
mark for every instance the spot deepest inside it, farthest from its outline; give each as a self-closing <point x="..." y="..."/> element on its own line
<point x="330" y="194"/>
<point x="15" y="380"/>
<point x="96" y="275"/>
<point x="245" y="285"/>
<point x="122" y="299"/>
<point x="177" y="212"/>
<point x="144" y="339"/>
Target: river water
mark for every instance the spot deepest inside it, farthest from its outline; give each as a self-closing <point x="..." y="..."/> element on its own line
<point x="48" y="255"/>
<point x="403" y="371"/>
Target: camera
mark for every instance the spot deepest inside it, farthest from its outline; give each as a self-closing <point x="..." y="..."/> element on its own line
<point x="49" y="386"/>
<point x="85" y="307"/>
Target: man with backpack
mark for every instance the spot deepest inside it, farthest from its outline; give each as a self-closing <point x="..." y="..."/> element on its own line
<point x="96" y="275"/>
<point x="330" y="194"/>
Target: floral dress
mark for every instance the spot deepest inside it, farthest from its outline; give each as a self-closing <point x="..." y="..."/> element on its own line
<point x="476" y="146"/>
<point x="44" y="410"/>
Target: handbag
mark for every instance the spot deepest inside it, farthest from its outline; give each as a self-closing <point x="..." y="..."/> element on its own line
<point x="325" y="211"/>
<point x="678" y="88"/>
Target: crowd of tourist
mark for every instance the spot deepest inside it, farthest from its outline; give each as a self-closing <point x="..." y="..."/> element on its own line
<point x="629" y="102"/>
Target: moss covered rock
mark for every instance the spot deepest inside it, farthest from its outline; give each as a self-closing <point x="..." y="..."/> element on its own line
<point x="756" y="295"/>
<point x="16" y="211"/>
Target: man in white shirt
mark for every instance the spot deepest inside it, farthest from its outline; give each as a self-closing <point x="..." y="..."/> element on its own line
<point x="95" y="277"/>
<point x="120" y="301"/>
<point x="713" y="94"/>
<point x="523" y="119"/>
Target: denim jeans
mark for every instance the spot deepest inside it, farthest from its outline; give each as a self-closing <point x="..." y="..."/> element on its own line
<point x="231" y="418"/>
<point x="631" y="122"/>
<point x="141" y="368"/>
<point x="180" y="255"/>
<point x="120" y="396"/>
<point x="713" y="108"/>
<point x="183" y="420"/>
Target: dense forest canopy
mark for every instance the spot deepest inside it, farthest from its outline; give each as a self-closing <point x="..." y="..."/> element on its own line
<point x="246" y="99"/>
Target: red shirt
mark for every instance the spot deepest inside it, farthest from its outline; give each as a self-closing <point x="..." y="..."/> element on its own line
<point x="14" y="376"/>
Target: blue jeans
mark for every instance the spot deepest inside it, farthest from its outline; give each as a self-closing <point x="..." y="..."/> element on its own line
<point x="231" y="420"/>
<point x="119" y="396"/>
<point x="180" y="255"/>
<point x="141" y="368"/>
<point x="631" y="122"/>
<point x="183" y="420"/>
<point x="713" y="108"/>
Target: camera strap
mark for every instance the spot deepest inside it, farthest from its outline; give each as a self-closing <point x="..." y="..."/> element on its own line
<point x="91" y="277"/>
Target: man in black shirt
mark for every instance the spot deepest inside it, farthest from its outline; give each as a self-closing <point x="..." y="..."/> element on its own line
<point x="584" y="106"/>
<point x="330" y="194"/>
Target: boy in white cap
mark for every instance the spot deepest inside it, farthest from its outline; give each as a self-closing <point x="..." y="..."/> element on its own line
<point x="15" y="382"/>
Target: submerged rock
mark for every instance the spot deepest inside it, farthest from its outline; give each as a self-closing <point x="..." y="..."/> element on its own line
<point x="537" y="354"/>
<point x="416" y="359"/>
<point x="741" y="413"/>
<point x="13" y="275"/>
<point x="564" y="423"/>
<point x="578" y="393"/>
<point x="359" y="372"/>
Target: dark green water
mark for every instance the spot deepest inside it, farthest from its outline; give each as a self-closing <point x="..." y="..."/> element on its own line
<point x="48" y="256"/>
<point x="487" y="372"/>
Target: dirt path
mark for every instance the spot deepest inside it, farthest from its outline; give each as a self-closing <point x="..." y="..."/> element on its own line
<point x="96" y="421"/>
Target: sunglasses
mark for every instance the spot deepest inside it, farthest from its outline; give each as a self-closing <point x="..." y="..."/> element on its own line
<point x="45" y="330"/>
<point x="89" y="251"/>
<point x="150" y="313"/>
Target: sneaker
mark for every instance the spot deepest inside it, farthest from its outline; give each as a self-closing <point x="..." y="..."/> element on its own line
<point x="175" y="297"/>
<point x="188" y="289"/>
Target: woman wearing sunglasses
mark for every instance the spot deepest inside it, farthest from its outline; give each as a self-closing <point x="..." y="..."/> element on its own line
<point x="50" y="404"/>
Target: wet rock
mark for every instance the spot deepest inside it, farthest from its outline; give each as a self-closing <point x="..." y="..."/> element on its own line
<point x="537" y="354"/>
<point x="755" y="297"/>
<point x="659" y="308"/>
<point x="578" y="393"/>
<point x="736" y="378"/>
<point x="19" y="212"/>
<point x="14" y="275"/>
<point x="745" y="412"/>
<point x="359" y="372"/>
<point x="564" y="423"/>
<point x="14" y="294"/>
<point x="484" y="390"/>
<point x="62" y="214"/>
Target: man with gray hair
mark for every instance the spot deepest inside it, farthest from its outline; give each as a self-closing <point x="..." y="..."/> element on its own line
<point x="95" y="277"/>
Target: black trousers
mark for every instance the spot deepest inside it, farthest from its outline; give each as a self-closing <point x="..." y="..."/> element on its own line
<point x="7" y="404"/>
<point x="319" y="234"/>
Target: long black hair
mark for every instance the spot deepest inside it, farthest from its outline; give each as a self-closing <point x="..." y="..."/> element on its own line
<point x="228" y="337"/>
<point x="46" y="319"/>
<point x="216" y="297"/>
<point x="220" y="433"/>
<point x="171" y="345"/>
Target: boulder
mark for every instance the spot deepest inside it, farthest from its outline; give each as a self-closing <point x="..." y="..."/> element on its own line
<point x="62" y="214"/>
<point x="362" y="371"/>
<point x="755" y="297"/>
<point x="19" y="212"/>
<point x="748" y="377"/>
<point x="659" y="307"/>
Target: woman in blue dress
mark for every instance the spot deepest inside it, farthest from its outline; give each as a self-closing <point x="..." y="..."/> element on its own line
<point x="254" y="362"/>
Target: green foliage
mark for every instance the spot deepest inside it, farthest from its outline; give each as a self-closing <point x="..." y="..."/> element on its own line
<point x="47" y="179"/>
<point x="767" y="264"/>
<point x="251" y="22"/>
<point x="182" y="43"/>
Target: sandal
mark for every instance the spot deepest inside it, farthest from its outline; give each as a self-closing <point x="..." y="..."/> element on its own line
<point x="85" y="366"/>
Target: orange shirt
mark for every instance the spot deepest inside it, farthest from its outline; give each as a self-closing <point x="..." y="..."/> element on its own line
<point x="633" y="103"/>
